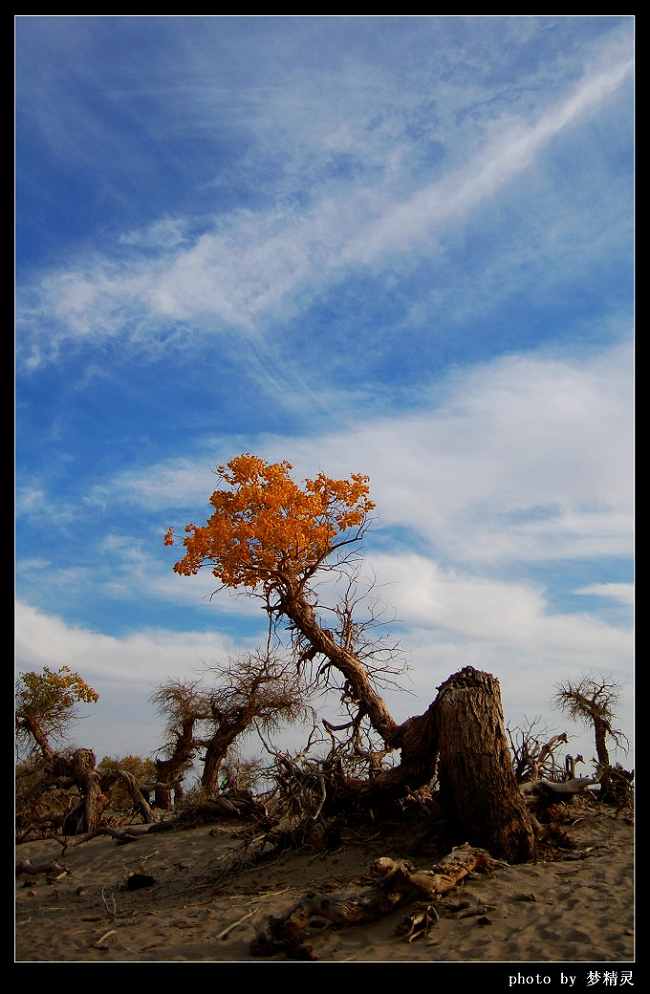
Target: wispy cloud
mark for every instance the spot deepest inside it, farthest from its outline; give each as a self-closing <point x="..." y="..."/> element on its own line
<point x="251" y="266"/>
<point x="510" y="153"/>
<point x="623" y="593"/>
<point x="527" y="458"/>
<point x="30" y="499"/>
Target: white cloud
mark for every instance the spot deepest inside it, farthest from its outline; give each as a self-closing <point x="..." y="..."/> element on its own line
<point x="515" y="616"/>
<point x="495" y="166"/>
<point x="526" y="458"/>
<point x="145" y="657"/>
<point x="621" y="592"/>
<point x="449" y="620"/>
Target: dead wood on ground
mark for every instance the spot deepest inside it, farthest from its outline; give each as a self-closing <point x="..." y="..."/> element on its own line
<point x="396" y="882"/>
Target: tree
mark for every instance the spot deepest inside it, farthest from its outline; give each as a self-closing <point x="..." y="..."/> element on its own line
<point x="256" y="688"/>
<point x="183" y="704"/>
<point x="593" y="701"/>
<point x="273" y="537"/>
<point x="46" y="705"/>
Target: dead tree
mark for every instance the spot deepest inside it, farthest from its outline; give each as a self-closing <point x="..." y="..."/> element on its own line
<point x="395" y="883"/>
<point x="533" y="753"/>
<point x="257" y="688"/>
<point x="85" y="817"/>
<point x="593" y="701"/>
<point x="184" y="704"/>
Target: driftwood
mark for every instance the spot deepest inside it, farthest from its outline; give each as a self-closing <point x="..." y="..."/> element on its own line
<point x="25" y="866"/>
<point x="570" y="787"/>
<point x="121" y="835"/>
<point x="396" y="882"/>
<point x="204" y="813"/>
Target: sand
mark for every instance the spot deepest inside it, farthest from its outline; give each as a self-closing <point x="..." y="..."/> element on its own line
<point x="563" y="910"/>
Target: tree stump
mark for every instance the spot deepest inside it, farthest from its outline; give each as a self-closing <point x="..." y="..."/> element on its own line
<point x="478" y="789"/>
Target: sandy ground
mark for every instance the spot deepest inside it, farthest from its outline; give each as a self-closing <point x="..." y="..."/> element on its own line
<point x="565" y="910"/>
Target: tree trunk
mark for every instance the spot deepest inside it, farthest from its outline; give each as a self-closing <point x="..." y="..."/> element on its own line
<point x="463" y="729"/>
<point x="216" y="751"/>
<point x="85" y="817"/>
<point x="478" y="790"/>
<point x="600" y="729"/>
<point x="40" y="737"/>
<point x="137" y="796"/>
<point x="211" y="767"/>
<point x="169" y="770"/>
<point x="359" y="685"/>
<point x="162" y="797"/>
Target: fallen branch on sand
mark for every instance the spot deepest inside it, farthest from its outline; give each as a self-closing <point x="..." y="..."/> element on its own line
<point x="396" y="882"/>
<point x="575" y="786"/>
<point x="227" y="931"/>
<point x="121" y="835"/>
<point x="24" y="866"/>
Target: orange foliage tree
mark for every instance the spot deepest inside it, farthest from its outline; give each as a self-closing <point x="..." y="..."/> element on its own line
<point x="271" y="535"/>
<point x="266" y="530"/>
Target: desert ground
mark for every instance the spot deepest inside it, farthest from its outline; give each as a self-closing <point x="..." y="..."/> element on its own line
<point x="572" y="905"/>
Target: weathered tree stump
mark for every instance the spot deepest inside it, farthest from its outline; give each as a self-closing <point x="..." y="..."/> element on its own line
<point x="478" y="791"/>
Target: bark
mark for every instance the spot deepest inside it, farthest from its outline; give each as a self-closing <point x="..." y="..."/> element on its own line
<point x="601" y="729"/>
<point x="217" y="749"/>
<point x="163" y="797"/>
<point x="214" y="757"/>
<point x="359" y="686"/>
<point x="40" y="737"/>
<point x="396" y="883"/>
<point x="172" y="769"/>
<point x="478" y="789"/>
<point x="85" y="817"/>
<point x="137" y="795"/>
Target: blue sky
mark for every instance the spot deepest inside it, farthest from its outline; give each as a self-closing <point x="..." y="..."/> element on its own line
<point x="399" y="246"/>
